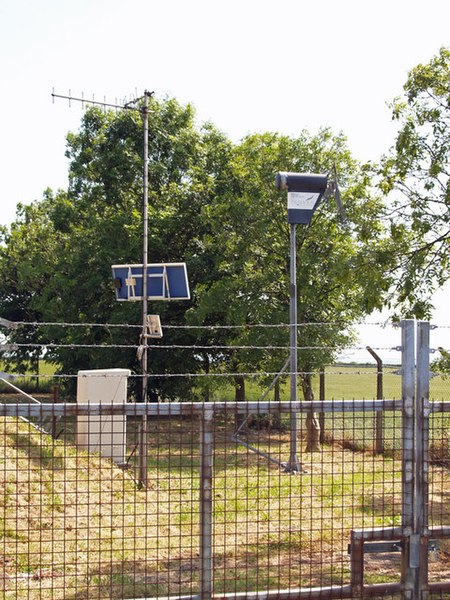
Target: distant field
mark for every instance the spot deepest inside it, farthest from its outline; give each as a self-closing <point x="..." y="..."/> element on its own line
<point x="45" y="368"/>
<point x="341" y="382"/>
<point x="43" y="383"/>
<point x="345" y="382"/>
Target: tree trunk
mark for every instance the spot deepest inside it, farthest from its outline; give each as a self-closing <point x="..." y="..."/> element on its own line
<point x="239" y="396"/>
<point x="205" y="390"/>
<point x="312" y="418"/>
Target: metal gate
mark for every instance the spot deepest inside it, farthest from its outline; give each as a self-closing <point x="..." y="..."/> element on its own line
<point x="421" y="530"/>
<point x="220" y="517"/>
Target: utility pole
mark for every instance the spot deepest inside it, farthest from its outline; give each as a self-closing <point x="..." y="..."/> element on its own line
<point x="143" y="432"/>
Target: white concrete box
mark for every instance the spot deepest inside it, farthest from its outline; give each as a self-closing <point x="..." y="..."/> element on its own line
<point x="106" y="434"/>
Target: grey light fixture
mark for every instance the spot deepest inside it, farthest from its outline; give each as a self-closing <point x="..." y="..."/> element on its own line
<point x="305" y="191"/>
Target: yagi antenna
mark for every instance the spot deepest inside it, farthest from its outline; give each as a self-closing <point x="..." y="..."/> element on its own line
<point x="143" y="108"/>
<point x="130" y="105"/>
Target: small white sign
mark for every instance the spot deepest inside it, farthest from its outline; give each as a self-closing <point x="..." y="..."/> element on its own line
<point x="302" y="200"/>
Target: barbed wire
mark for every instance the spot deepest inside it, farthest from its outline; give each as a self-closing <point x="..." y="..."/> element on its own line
<point x="383" y="324"/>
<point x="8" y="347"/>
<point x="64" y="324"/>
<point x="195" y="375"/>
<point x="268" y="347"/>
<point x="205" y="327"/>
<point x="346" y="351"/>
<point x="71" y="346"/>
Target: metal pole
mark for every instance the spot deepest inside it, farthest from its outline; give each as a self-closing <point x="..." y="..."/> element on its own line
<point x="206" y="504"/>
<point x="322" y="398"/>
<point x="145" y="249"/>
<point x="379" y="437"/>
<point x="422" y="419"/>
<point x="55" y="401"/>
<point x="408" y="380"/>
<point x="293" y="465"/>
<point x="143" y="442"/>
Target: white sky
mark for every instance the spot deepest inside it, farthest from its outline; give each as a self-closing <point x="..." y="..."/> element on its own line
<point x="247" y="65"/>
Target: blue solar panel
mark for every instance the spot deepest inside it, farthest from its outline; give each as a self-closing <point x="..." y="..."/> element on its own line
<point x="164" y="282"/>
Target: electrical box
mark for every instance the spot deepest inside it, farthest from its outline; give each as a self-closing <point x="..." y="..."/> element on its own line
<point x="106" y="434"/>
<point x="154" y="328"/>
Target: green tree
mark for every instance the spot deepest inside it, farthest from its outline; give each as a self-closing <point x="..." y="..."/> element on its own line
<point x="339" y="278"/>
<point x="416" y="173"/>
<point x="56" y="258"/>
<point x="442" y="363"/>
<point x="213" y="204"/>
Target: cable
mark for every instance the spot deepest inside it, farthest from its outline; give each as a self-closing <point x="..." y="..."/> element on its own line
<point x="189" y="347"/>
<point x="204" y="327"/>
<point x="190" y="375"/>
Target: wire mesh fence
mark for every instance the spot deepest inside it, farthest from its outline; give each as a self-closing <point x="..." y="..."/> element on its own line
<point x="214" y="517"/>
<point x="222" y="515"/>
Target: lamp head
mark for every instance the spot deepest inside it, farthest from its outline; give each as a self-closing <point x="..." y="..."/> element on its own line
<point x="305" y="191"/>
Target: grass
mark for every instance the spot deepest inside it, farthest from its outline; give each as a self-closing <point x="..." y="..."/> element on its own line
<point x="343" y="382"/>
<point x="75" y="526"/>
<point x="43" y="384"/>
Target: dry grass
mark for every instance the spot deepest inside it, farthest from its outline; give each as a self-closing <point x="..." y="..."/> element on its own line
<point x="75" y="526"/>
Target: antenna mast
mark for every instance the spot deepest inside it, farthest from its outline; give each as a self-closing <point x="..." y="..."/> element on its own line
<point x="144" y="110"/>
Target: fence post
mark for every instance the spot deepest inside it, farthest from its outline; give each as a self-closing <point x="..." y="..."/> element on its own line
<point x="408" y="379"/>
<point x="379" y="437"/>
<point x="421" y="456"/>
<point x="206" y="504"/>
<point x="322" y="398"/>
<point x="143" y="451"/>
<point x="54" y="419"/>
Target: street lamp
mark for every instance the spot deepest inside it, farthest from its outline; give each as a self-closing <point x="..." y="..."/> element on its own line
<point x="305" y="191"/>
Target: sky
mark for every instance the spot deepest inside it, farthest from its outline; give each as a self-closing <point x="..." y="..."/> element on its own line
<point x="246" y="65"/>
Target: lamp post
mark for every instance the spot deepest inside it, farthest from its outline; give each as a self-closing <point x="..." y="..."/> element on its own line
<point x="305" y="191"/>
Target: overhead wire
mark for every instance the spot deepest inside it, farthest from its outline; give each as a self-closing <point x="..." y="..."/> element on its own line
<point x="243" y="326"/>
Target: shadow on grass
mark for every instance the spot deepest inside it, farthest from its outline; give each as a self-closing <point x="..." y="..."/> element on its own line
<point x="263" y="568"/>
<point x="41" y="455"/>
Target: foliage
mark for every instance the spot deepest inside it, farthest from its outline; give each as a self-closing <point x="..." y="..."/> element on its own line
<point x="213" y="204"/>
<point x="56" y="259"/>
<point x="250" y="237"/>
<point x="441" y="364"/>
<point x="418" y="168"/>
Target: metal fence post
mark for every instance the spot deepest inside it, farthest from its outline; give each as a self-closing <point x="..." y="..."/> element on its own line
<point x="322" y="398"/>
<point x="408" y="379"/>
<point x="421" y="456"/>
<point x="143" y="452"/>
<point x="379" y="433"/>
<point x="206" y="503"/>
<point x="54" y="419"/>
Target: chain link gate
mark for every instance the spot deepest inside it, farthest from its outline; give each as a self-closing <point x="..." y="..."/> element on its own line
<point x="219" y="520"/>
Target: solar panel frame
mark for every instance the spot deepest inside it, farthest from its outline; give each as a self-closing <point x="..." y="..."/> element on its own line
<point x="165" y="282"/>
